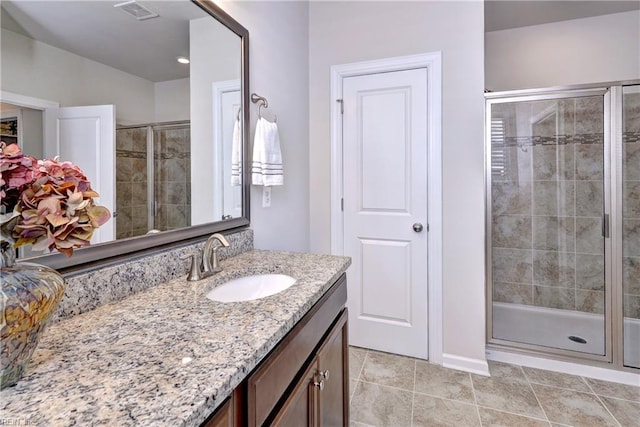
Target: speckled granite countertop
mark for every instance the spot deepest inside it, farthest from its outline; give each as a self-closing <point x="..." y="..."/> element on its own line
<point x="167" y="356"/>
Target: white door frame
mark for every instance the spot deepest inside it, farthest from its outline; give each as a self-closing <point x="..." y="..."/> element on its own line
<point x="27" y="101"/>
<point x="433" y="63"/>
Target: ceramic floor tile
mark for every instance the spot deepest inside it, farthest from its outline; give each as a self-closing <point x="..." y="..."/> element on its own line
<point x="388" y="369"/>
<point x="493" y="418"/>
<point x="556" y="379"/>
<point x="627" y="413"/>
<point x="572" y="407"/>
<point x="352" y="387"/>
<point x="356" y="360"/>
<point x="433" y="411"/>
<point x="621" y="391"/>
<point x="501" y="370"/>
<point x="445" y="397"/>
<point x="381" y="406"/>
<point x="504" y="393"/>
<point x="437" y="381"/>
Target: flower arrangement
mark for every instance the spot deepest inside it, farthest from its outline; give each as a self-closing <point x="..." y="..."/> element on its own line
<point x="46" y="203"/>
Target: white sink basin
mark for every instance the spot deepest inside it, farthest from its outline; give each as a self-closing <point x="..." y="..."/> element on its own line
<point x="251" y="287"/>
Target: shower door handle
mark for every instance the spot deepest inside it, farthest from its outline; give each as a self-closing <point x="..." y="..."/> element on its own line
<point x="605" y="226"/>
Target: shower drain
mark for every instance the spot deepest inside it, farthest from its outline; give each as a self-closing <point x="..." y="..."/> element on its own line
<point x="579" y="340"/>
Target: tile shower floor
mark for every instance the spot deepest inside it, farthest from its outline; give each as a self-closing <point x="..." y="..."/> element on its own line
<point x="397" y="391"/>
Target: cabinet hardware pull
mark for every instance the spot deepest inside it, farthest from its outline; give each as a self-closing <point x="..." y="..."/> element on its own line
<point x="325" y="374"/>
<point x="319" y="384"/>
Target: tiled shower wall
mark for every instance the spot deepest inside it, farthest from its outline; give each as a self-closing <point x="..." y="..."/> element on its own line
<point x="547" y="203"/>
<point x="131" y="182"/>
<point x="172" y="179"/>
<point x="631" y="204"/>
<point x="172" y="153"/>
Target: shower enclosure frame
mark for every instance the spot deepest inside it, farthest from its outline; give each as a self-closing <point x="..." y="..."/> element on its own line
<point x="151" y="127"/>
<point x="613" y="357"/>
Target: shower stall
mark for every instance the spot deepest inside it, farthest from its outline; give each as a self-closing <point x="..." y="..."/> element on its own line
<point x="563" y="222"/>
<point x="153" y="178"/>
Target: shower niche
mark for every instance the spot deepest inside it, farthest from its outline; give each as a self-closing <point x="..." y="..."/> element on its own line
<point x="563" y="222"/>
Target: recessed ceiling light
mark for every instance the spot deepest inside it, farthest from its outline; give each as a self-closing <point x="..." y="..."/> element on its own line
<point x="183" y="60"/>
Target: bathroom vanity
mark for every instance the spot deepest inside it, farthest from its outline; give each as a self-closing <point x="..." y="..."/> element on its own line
<point x="304" y="381"/>
<point x="169" y="356"/>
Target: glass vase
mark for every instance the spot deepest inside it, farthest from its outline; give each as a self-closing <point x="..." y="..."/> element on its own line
<point x="30" y="294"/>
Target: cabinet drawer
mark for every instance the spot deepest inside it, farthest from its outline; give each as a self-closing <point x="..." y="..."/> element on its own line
<point x="269" y="382"/>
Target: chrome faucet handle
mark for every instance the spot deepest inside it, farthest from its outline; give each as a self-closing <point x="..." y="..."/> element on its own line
<point x="194" y="269"/>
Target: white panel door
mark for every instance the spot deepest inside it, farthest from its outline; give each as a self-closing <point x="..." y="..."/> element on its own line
<point x="85" y="136"/>
<point x="227" y="103"/>
<point x="385" y="206"/>
<point x="231" y="105"/>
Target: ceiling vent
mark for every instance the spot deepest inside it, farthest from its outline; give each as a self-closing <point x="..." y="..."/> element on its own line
<point x="135" y="9"/>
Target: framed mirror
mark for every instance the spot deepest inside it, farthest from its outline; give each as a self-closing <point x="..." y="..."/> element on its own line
<point x="149" y="98"/>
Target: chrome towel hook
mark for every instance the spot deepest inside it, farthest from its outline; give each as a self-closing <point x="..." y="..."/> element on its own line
<point x="255" y="98"/>
<point x="262" y="102"/>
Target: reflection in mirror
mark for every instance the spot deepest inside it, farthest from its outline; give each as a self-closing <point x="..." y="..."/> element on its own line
<point x="161" y="141"/>
<point x="160" y="152"/>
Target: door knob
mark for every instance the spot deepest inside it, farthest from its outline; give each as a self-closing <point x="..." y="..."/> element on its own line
<point x="325" y="374"/>
<point x="319" y="384"/>
<point x="417" y="227"/>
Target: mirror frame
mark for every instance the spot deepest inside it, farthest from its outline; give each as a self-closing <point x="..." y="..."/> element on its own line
<point x="108" y="253"/>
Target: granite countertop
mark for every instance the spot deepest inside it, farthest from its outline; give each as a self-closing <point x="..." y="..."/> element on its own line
<point x="167" y="355"/>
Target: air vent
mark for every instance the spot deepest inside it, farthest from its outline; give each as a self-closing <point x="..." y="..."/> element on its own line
<point x="136" y="10"/>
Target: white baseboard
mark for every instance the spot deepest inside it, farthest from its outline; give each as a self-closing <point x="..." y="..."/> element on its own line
<point x="596" y="372"/>
<point x="475" y="366"/>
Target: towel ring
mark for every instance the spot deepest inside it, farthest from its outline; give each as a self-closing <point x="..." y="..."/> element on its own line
<point x="262" y="102"/>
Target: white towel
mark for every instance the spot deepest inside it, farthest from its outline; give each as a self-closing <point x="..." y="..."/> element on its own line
<point x="266" y="168"/>
<point x="236" y="154"/>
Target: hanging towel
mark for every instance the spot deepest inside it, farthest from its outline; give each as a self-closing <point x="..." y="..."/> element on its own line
<point x="236" y="154"/>
<point x="266" y="168"/>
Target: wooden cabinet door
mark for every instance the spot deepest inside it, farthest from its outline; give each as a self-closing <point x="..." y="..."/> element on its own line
<point x="272" y="380"/>
<point x="333" y="368"/>
<point x="300" y="408"/>
<point x="223" y="416"/>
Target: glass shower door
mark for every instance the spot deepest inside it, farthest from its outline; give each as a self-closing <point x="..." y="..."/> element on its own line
<point x="547" y="174"/>
<point x="153" y="180"/>
<point x="131" y="182"/>
<point x="631" y="224"/>
<point x="172" y="176"/>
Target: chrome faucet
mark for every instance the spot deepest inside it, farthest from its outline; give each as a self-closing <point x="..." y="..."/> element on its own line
<point x="205" y="263"/>
<point x="210" y="255"/>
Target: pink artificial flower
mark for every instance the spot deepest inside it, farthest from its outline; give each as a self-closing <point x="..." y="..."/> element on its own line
<point x="54" y="200"/>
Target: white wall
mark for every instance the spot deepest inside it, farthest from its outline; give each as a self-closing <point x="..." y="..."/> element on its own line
<point x="591" y="50"/>
<point x="172" y="100"/>
<point x="35" y="69"/>
<point x="345" y="32"/>
<point x="32" y="132"/>
<point x="278" y="50"/>
<point x="215" y="56"/>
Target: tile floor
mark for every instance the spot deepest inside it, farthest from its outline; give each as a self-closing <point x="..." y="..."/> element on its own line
<point x="397" y="391"/>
